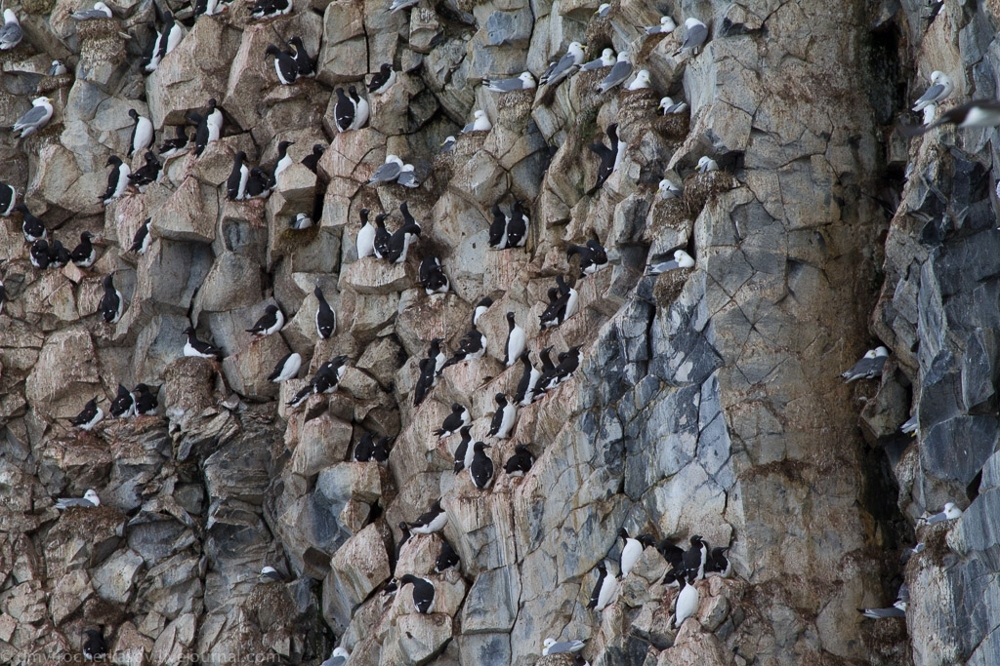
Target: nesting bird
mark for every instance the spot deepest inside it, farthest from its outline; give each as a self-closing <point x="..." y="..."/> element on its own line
<point x="197" y="348"/>
<point x="123" y="406"/>
<point x="459" y="417"/>
<point x="269" y="323"/>
<point x="520" y="463"/>
<point x="431" y="521"/>
<point x="606" y="59"/>
<point x="695" y="34"/>
<point x="89" y="416"/>
<point x="681" y="260"/>
<point x="664" y="27"/>
<point x="10" y="33"/>
<point x="89" y="501"/>
<point x="621" y="70"/>
<point x="284" y="64"/>
<point x="565" y="66"/>
<point x="84" y="255"/>
<point x="869" y="367"/>
<point x="480" y="123"/>
<point x="36" y="118"/>
<point x="306" y="65"/>
<point x="668" y="106"/>
<point x="940" y="89"/>
<point x="524" y="81"/>
<point x="99" y="11"/>
<point x="592" y="255"/>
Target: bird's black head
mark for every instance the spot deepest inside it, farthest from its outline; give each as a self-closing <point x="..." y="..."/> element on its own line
<point x="283" y="146"/>
<point x="696" y="540"/>
<point x="385" y="68"/>
<point x="318" y="292"/>
<point x="108" y="282"/>
<point x="408" y="578"/>
<point x="437" y="505"/>
<point x="189" y="330"/>
<point x="149" y="156"/>
<point x="114" y="160"/>
<point x="212" y="104"/>
<point x="479" y="446"/>
<point x="364" y="216"/>
<point x="133" y="114"/>
<point x="168" y="17"/>
<point x="486" y="302"/>
<point x="240" y="156"/>
<point x="464" y="431"/>
<point x="296" y="41"/>
<point x="271" y="309"/>
<point x="20" y="207"/>
<point x="271" y="50"/>
<point x="86" y="235"/>
<point x="380" y="219"/>
<point x="404" y="527"/>
<point x="510" y="317"/>
<point x="319" y="149"/>
<point x="593" y="245"/>
<point x="623" y="533"/>
<point x="500" y="398"/>
<point x="455" y="407"/>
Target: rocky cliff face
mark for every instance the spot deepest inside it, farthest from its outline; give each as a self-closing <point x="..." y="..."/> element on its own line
<point x="707" y="399"/>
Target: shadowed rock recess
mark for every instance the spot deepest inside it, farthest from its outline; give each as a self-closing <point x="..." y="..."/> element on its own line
<point x="707" y="399"/>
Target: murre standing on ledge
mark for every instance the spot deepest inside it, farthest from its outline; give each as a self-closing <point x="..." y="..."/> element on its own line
<point x="473" y="345"/>
<point x="312" y="159"/>
<point x="604" y="590"/>
<point x="382" y="80"/>
<point x="503" y="418"/>
<point x="365" y="241"/>
<point x="112" y="304"/>
<point x="95" y="648"/>
<point x="269" y="323"/>
<point x="284" y="160"/>
<point x="609" y="157"/>
<point x="197" y="348"/>
<point x="142" y="239"/>
<point x="85" y="254"/>
<point x="464" y="452"/>
<point x="459" y="417"/>
<point x="592" y="256"/>
<point x="142" y="133"/>
<point x="286" y="369"/>
<point x="145" y="400"/>
<point x="32" y="228"/>
<point x="177" y="145"/>
<point x="344" y="111"/>
<point x="284" y="64"/>
<point x="631" y="550"/>
<point x="89" y="416"/>
<point x="117" y="179"/>
<point x="326" y="318"/>
<point x="423" y="592"/>
<point x="8" y="199"/>
<point x="516" y="341"/>
<point x="695" y="558"/>
<point x="529" y="380"/>
<point x="361" y="109"/>
<point x="306" y="65"/>
<point x="687" y="602"/>
<point x="236" y="184"/>
<point x="520" y="463"/>
<point x="432" y="521"/>
<point x="432" y="276"/>
<point x="209" y="127"/>
<point x="148" y="173"/>
<point x="123" y="406"/>
<point x="481" y="470"/>
<point x="447" y="557"/>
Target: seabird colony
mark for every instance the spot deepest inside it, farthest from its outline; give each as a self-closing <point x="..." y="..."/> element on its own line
<point x="509" y="231"/>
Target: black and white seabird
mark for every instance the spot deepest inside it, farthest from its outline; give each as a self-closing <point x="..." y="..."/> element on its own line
<point x="498" y="229"/>
<point x="552" y="646"/>
<point x="563" y="304"/>
<point x="39" y="254"/>
<point x="432" y="276"/>
<point x="447" y="557"/>
<point x="195" y="347"/>
<point x="503" y="418"/>
<point x="604" y="590"/>
<point x="89" y="417"/>
<point x="32" y="227"/>
<point x="977" y="113"/>
<point x="609" y="157"/>
<point x="89" y="501"/>
<point x="569" y="361"/>
<point x="326" y="318"/>
<point x="8" y="199"/>
<point x="209" y="127"/>
<point x="687" y="602"/>
<point x="470" y="347"/>
<point x="175" y="146"/>
<point x="516" y="341"/>
<point x="671" y="552"/>
<point x="382" y="80"/>
<point x="380" y="452"/>
<point x="631" y="550"/>
<point x="400" y="241"/>
<point x="10" y="32"/>
<point x="423" y="592"/>
<point x="435" y="353"/>
<point x="59" y="256"/>
<point x="459" y="417"/>
<point x="85" y="254"/>
<point x="361" y="109"/>
<point x="365" y="241"/>
<point x="209" y="7"/>
<point x="271" y="8"/>
<point x="380" y="244"/>
<point x="112" y="304"/>
<point x="36" y="118"/>
<point x="284" y="160"/>
<point x="593" y="257"/>
<point x="566" y="65"/>
<point x="148" y="173"/>
<point x="287" y="368"/>
<point x="621" y="70"/>
<point x="123" y="406"/>
<point x="481" y="307"/>
<point x="259" y="184"/>
<point x="869" y="367"/>
<point x="695" y="34"/>
<point x="3" y="296"/>
<point x="145" y="400"/>
<point x="548" y="372"/>
<point x="142" y="133"/>
<point x="464" y="452"/>
<point x="328" y="376"/>
<point x="520" y="463"/>
<point x="151" y="54"/>
<point x="142" y="239"/>
<point x="424" y="382"/>
<point x="681" y="260"/>
<point x="269" y="323"/>
<point x="432" y="521"/>
<point x="312" y="159"/>
<point x="284" y="64"/>
<point x="525" y="81"/>
<point x="117" y="179"/>
<point x="344" y="111"/>
<point x="338" y="657"/>
<point x="517" y="225"/>
<point x="695" y="558"/>
<point x="306" y="65"/>
<point x="364" y="450"/>
<point x="529" y="380"/>
<point x="718" y="562"/>
<point x="236" y="184"/>
<point x="481" y="469"/>
<point x="95" y="648"/>
<point x="173" y="33"/>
